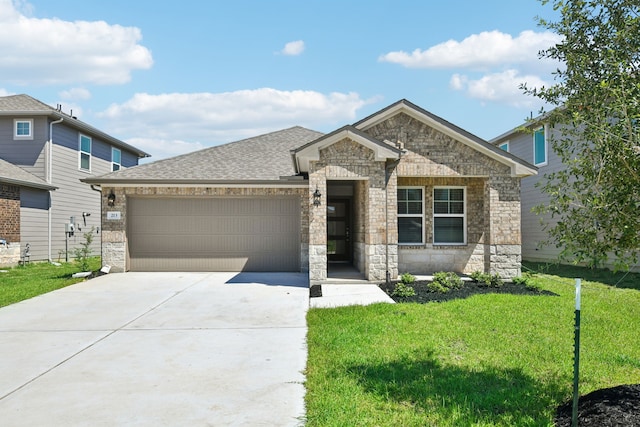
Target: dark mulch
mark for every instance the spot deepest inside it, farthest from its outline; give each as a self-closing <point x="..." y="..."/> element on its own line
<point x="424" y="295"/>
<point x="617" y="406"/>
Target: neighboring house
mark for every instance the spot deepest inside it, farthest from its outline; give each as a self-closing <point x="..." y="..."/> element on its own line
<point x="399" y="191"/>
<point x="16" y="185"/>
<point x="56" y="150"/>
<point x="531" y="143"/>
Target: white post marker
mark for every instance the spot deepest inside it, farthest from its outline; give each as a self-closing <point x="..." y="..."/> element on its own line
<point x="578" y="286"/>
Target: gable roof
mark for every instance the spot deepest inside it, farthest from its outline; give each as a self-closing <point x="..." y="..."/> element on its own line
<point x="311" y="151"/>
<point x="257" y="160"/>
<point x="25" y="105"/>
<point x="518" y="166"/>
<point x="15" y="175"/>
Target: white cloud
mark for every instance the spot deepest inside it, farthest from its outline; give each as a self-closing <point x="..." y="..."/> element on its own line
<point x="503" y="87"/>
<point x="293" y="48"/>
<point x="213" y="118"/>
<point x="48" y="49"/>
<point x="504" y="60"/>
<point x="76" y="93"/>
<point x="478" y="51"/>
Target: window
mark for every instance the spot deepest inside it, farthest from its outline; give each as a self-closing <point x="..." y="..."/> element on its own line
<point x="505" y="146"/>
<point x="116" y="155"/>
<point x="410" y="215"/>
<point x="539" y="147"/>
<point x="449" y="216"/>
<point x="23" y="129"/>
<point x="85" y="153"/>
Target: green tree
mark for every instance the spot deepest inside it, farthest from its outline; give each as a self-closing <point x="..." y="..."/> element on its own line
<point x="596" y="116"/>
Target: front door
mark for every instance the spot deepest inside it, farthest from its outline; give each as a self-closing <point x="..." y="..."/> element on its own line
<point x="339" y="229"/>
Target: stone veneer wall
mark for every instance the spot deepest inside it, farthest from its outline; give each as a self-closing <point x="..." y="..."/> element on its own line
<point x="114" y="232"/>
<point x="502" y="220"/>
<point x="493" y="200"/>
<point x="348" y="160"/>
<point x="10" y="213"/>
<point x="10" y="255"/>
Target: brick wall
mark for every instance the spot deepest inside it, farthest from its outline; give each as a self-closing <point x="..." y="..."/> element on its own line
<point x="10" y="213"/>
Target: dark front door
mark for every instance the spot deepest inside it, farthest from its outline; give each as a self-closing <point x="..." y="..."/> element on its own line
<point x="339" y="229"/>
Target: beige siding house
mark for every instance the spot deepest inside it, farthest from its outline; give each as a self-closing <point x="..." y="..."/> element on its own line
<point x="58" y="150"/>
<point x="399" y="191"/>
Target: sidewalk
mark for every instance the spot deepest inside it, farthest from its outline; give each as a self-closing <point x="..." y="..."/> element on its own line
<point x="340" y="295"/>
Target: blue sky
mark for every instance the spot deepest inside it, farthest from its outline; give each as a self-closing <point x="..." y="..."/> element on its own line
<point x="172" y="77"/>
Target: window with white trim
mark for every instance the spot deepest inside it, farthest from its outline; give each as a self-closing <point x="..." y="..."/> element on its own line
<point x="410" y="215"/>
<point x="504" y="146"/>
<point x="539" y="147"/>
<point x="449" y="216"/>
<point x="84" y="153"/>
<point x="23" y="129"/>
<point x="116" y="159"/>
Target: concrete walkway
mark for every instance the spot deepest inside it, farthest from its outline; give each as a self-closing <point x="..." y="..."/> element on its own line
<point x="157" y="349"/>
<point x="344" y="294"/>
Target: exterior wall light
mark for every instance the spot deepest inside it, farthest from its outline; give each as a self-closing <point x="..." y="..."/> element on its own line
<point x="111" y="199"/>
<point x="316" y="197"/>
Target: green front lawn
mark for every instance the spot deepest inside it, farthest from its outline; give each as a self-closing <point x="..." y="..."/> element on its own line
<point x="36" y="278"/>
<point x="489" y="360"/>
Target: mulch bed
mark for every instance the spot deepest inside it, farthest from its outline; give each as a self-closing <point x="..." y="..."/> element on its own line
<point x="424" y="295"/>
<point x="612" y="407"/>
<point x="609" y="407"/>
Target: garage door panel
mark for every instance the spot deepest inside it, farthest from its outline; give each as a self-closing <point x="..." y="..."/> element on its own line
<point x="214" y="234"/>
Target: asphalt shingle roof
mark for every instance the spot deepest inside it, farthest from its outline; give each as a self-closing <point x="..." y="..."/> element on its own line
<point x="261" y="158"/>
<point x="24" y="103"/>
<point x="12" y="174"/>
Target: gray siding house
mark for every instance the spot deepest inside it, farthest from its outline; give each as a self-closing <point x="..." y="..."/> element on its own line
<point x="402" y="190"/>
<point x="531" y="143"/>
<point x="57" y="150"/>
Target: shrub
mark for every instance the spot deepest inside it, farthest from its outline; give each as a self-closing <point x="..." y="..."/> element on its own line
<point x="437" y="287"/>
<point x="408" y="278"/>
<point x="520" y="280"/>
<point x="444" y="282"/>
<point x="486" y="279"/>
<point x="83" y="253"/>
<point x="403" y="290"/>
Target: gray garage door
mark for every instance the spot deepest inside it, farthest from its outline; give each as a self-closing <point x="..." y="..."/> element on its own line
<point x="214" y="234"/>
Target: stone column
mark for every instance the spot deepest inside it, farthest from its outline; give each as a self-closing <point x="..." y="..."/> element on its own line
<point x="114" y="238"/>
<point x="502" y="224"/>
<point x="317" y="228"/>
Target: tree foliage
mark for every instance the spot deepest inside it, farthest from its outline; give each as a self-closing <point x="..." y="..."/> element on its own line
<point x="595" y="200"/>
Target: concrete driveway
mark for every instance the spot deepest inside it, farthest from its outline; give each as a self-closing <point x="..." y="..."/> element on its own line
<point x="157" y="349"/>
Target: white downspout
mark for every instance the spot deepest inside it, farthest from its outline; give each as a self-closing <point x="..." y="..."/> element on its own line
<point x="50" y="180"/>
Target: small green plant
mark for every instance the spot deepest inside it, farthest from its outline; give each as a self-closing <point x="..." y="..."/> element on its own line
<point x="436" y="286"/>
<point x="403" y="290"/>
<point x="83" y="253"/>
<point x="486" y="279"/>
<point x="408" y="278"/>
<point x="444" y="282"/>
<point x="520" y="280"/>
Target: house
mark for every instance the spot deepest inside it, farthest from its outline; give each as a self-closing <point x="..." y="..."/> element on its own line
<point x="399" y="191"/>
<point x="531" y="142"/>
<point x="14" y="182"/>
<point x="43" y="155"/>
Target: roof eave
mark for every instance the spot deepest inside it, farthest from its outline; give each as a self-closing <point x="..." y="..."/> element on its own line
<point x="282" y="182"/>
<point x="22" y="183"/>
